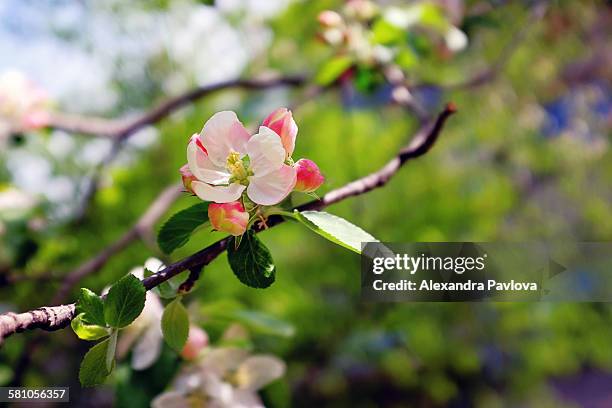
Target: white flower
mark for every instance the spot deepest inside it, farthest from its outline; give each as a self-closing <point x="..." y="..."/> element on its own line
<point x="226" y="161"/>
<point x="15" y="202"/>
<point x="144" y="335"/>
<point x="455" y="39"/>
<point x="22" y="104"/>
<point x="404" y="17"/>
<point x="225" y="377"/>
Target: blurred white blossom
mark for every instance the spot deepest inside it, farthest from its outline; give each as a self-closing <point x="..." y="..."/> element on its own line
<point x="456" y="40"/>
<point x="144" y="336"/>
<point x="224" y="377"/>
<point x="23" y="105"/>
<point x="15" y="202"/>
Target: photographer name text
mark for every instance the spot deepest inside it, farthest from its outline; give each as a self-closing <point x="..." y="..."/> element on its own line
<point x="455" y="264"/>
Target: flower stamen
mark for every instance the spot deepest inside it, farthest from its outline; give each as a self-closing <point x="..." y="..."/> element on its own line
<point x="238" y="168"/>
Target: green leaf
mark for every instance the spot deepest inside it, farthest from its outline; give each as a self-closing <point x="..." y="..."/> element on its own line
<point x="93" y="369"/>
<point x="432" y="16"/>
<point x="386" y="33"/>
<point x="407" y="58"/>
<point x="169" y="288"/>
<point x="332" y="69"/>
<point x="175" y="325"/>
<point x="87" y="331"/>
<point x="91" y="306"/>
<point x="124" y="302"/>
<point x="335" y="229"/>
<point x="265" y="323"/>
<point x="176" y="231"/>
<point x="251" y="262"/>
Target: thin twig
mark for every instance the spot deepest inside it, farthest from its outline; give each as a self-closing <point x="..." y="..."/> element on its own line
<point x="57" y="317"/>
<point x="123" y="128"/>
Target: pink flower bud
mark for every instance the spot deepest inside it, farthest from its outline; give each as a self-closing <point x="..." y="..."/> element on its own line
<point x="281" y="121"/>
<point x="228" y="217"/>
<point x="309" y="177"/>
<point x="187" y="177"/>
<point x="196" y="341"/>
<point x="328" y="18"/>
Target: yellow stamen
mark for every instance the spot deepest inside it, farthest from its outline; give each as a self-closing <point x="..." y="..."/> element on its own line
<point x="236" y="167"/>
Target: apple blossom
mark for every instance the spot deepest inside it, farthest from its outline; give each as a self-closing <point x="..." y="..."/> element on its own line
<point x="15" y="203"/>
<point x="22" y="104"/>
<point x="281" y="121"/>
<point x="227" y="161"/>
<point x="196" y="342"/>
<point x="228" y="217"/>
<point x="224" y="377"/>
<point x="309" y="177"/>
<point x="456" y="40"/>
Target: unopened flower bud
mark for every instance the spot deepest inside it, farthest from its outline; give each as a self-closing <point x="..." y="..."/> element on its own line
<point x="329" y="18"/>
<point x="187" y="177"/>
<point x="309" y="177"/>
<point x="281" y="121"/>
<point x="197" y="340"/>
<point x="228" y="217"/>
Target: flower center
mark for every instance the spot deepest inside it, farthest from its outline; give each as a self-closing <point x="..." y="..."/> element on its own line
<point x="239" y="168"/>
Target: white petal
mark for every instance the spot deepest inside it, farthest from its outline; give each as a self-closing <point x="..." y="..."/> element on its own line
<point x="221" y="360"/>
<point x="258" y="371"/>
<point x="137" y="271"/>
<point x="273" y="187"/>
<point x="266" y="151"/>
<point x="220" y="391"/>
<point x="223" y="133"/>
<point x="245" y="399"/>
<point x="218" y="194"/>
<point x="148" y="348"/>
<point x="456" y="40"/>
<point x="203" y="168"/>
<point x="153" y="264"/>
<point x="170" y="399"/>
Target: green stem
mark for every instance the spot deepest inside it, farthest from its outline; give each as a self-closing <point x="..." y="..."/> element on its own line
<point x="110" y="351"/>
<point x="278" y="211"/>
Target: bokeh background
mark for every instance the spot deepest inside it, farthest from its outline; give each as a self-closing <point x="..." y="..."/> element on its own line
<point x="526" y="158"/>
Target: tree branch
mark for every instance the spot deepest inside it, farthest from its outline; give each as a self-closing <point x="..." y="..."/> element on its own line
<point x="123" y="128"/>
<point x="57" y="317"/>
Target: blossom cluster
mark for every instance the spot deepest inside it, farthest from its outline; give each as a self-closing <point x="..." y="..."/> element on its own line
<point x="23" y="105"/>
<point x="222" y="377"/>
<point x="211" y="376"/>
<point x="371" y="35"/>
<point x="240" y="173"/>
